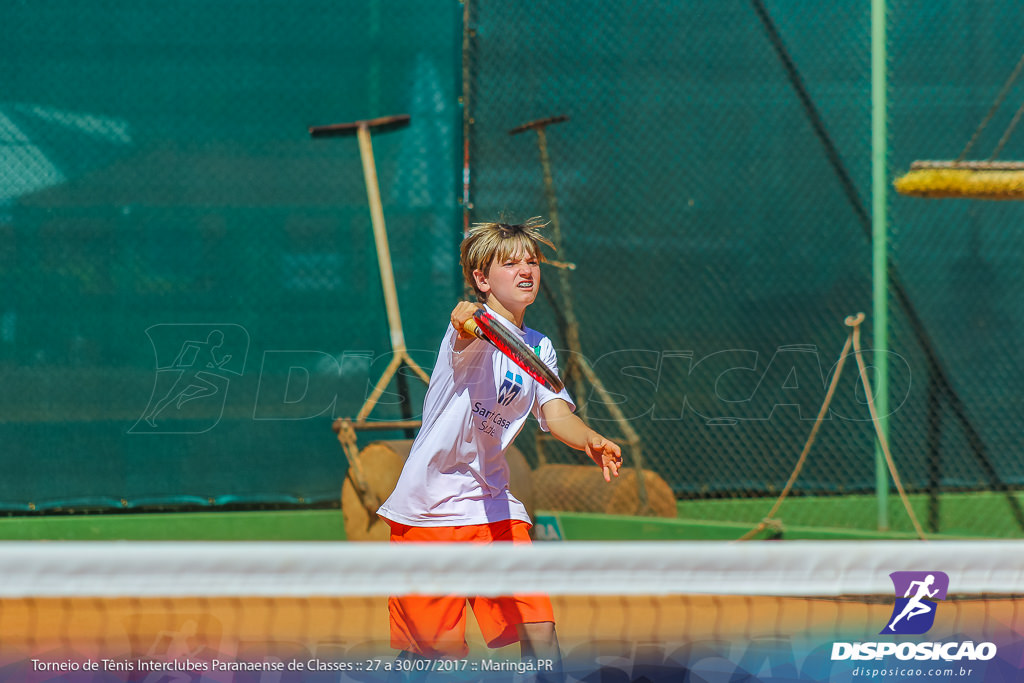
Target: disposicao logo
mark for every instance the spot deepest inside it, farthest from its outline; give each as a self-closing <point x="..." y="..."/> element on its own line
<point x="917" y="596"/>
<point x="194" y="366"/>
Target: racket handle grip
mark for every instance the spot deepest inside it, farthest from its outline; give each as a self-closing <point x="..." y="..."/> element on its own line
<point x="474" y="329"/>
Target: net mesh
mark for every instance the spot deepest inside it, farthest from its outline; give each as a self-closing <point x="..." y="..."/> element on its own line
<point x="137" y="611"/>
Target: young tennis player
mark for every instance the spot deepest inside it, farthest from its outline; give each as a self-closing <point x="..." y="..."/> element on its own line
<point x="454" y="486"/>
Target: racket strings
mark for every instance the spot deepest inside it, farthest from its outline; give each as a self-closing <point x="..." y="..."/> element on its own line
<point x="518" y="352"/>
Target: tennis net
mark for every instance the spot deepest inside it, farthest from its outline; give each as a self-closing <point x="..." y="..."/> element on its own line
<point x="699" y="611"/>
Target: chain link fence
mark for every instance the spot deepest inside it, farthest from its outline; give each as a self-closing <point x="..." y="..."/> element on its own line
<point x="712" y="184"/>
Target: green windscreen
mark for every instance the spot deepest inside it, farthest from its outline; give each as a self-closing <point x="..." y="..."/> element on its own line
<point x="190" y="290"/>
<point x="189" y="287"/>
<point x="713" y="185"/>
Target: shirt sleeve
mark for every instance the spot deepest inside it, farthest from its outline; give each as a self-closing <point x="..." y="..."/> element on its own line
<point x="550" y="358"/>
<point x="451" y="336"/>
<point x="461" y="362"/>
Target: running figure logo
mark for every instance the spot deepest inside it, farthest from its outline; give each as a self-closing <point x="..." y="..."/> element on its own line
<point x="204" y="356"/>
<point x="914" y="612"/>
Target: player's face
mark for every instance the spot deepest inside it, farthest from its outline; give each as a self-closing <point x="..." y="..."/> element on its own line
<point x="514" y="281"/>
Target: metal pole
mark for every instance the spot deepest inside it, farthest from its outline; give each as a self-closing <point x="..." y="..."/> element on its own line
<point x="879" y="239"/>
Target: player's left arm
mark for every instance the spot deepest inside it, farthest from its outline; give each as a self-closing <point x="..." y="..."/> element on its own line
<point x="573" y="432"/>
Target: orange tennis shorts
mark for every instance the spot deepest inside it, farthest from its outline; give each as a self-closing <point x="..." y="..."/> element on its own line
<point x="435" y="627"/>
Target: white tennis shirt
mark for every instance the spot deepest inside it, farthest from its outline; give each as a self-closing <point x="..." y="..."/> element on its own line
<point x="477" y="402"/>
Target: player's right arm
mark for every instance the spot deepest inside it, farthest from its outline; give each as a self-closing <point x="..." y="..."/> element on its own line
<point x="462" y="312"/>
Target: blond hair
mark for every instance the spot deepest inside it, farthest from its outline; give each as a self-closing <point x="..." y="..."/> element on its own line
<point x="486" y="242"/>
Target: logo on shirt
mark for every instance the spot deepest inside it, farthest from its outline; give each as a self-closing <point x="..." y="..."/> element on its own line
<point x="510" y="388"/>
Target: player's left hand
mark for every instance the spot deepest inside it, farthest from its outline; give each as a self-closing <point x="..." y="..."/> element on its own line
<point x="606" y="454"/>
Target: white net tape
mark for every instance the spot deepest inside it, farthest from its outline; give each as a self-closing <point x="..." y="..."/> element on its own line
<point x="818" y="568"/>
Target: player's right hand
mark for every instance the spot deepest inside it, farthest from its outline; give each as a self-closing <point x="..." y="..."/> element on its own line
<point x="462" y="312"/>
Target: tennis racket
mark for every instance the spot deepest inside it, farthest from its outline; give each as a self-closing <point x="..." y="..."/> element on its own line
<point x="484" y="326"/>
